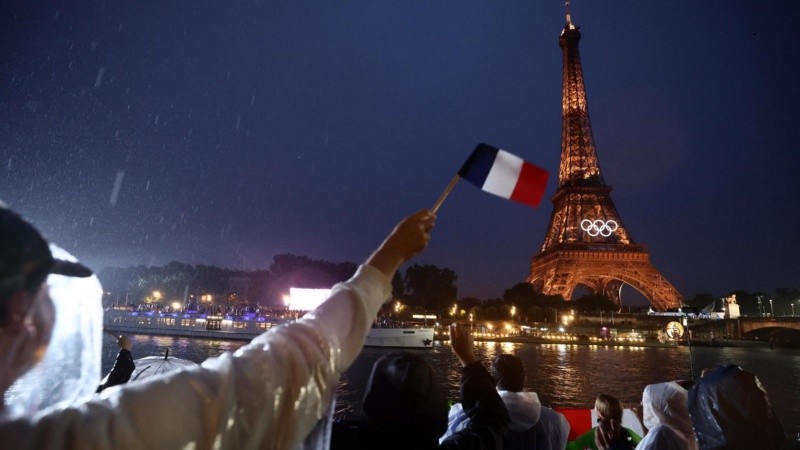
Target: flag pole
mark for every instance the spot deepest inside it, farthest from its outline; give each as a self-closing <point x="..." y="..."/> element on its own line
<point x="106" y="330"/>
<point x="445" y="193"/>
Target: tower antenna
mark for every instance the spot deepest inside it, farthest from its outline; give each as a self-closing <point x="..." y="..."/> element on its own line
<point x="569" y="16"/>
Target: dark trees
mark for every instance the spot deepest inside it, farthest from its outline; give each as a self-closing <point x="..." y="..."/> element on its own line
<point x="431" y="287"/>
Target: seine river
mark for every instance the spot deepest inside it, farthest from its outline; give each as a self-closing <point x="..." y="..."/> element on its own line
<point x="562" y="375"/>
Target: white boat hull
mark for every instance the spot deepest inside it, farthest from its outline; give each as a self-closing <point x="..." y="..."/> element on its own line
<point x="208" y="327"/>
<point x="400" y="337"/>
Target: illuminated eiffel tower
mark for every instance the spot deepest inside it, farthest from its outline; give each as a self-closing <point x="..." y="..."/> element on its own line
<point x="586" y="242"/>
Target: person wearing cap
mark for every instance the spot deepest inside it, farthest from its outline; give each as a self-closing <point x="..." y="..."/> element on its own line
<point x="43" y="292"/>
<point x="272" y="393"/>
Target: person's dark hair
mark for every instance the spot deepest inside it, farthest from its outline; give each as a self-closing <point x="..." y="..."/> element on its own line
<point x="508" y="372"/>
<point x="404" y="404"/>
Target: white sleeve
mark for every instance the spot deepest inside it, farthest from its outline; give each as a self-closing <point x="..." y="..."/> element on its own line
<point x="268" y="394"/>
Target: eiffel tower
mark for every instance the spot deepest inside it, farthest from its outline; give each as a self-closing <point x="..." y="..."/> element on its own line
<point x="586" y="242"/>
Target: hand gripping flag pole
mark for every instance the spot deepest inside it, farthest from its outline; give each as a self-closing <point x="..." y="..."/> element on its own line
<point x="500" y="173"/>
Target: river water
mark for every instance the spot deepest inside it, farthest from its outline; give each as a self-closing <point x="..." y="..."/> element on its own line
<point x="565" y="376"/>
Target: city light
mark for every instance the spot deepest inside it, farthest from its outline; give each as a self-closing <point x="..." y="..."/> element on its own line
<point x="302" y="299"/>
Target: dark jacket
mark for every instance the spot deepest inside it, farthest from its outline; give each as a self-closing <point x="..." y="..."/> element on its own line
<point x="730" y="410"/>
<point x="121" y="372"/>
<point x="405" y="408"/>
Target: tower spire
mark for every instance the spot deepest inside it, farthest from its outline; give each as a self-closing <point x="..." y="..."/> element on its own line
<point x="569" y="16"/>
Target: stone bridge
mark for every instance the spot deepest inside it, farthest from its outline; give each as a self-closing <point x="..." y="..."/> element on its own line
<point x="765" y="326"/>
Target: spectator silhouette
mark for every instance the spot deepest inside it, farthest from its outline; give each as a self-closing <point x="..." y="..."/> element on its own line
<point x="666" y="417"/>
<point x="405" y="407"/>
<point x="123" y="366"/>
<point x="731" y="410"/>
<point x="532" y="425"/>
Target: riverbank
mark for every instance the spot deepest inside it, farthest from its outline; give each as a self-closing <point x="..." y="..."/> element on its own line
<point x="568" y="341"/>
<point x="720" y="343"/>
<point x="603" y="343"/>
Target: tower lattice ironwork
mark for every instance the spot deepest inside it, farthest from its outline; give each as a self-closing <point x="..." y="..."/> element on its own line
<point x="586" y="242"/>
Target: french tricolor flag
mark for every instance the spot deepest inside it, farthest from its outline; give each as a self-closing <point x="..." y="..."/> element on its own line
<point x="505" y="175"/>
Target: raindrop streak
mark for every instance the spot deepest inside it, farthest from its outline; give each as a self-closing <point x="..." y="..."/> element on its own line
<point x="238" y="123"/>
<point x="117" y="186"/>
<point x="99" y="79"/>
<point x="8" y="167"/>
<point x="147" y="186"/>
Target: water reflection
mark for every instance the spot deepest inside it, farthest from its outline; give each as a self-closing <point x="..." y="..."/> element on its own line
<point x="563" y="375"/>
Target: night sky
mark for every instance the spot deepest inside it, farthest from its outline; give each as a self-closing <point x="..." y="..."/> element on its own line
<point x="227" y="132"/>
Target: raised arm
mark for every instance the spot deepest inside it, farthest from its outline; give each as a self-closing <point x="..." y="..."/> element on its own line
<point x="488" y="415"/>
<point x="269" y="394"/>
<point x="349" y="315"/>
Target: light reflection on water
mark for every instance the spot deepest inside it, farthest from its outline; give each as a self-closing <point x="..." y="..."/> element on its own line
<point x="563" y="375"/>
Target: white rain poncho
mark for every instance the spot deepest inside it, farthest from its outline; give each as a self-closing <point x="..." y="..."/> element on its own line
<point x="666" y="416"/>
<point x="271" y="393"/>
<point x="70" y="368"/>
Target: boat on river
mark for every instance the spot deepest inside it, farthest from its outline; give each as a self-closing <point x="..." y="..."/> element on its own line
<point x="244" y="327"/>
<point x="401" y="337"/>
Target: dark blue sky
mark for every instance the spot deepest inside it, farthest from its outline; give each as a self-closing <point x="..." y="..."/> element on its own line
<point x="236" y="131"/>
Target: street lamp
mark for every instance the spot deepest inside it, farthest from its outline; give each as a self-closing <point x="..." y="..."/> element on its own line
<point x="792" y="305"/>
<point x="771" y="311"/>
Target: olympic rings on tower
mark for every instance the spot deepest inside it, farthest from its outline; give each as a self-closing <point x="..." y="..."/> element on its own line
<point x="599" y="227"/>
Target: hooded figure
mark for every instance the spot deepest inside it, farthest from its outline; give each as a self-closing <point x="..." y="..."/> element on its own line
<point x="405" y="408"/>
<point x="730" y="409"/>
<point x="404" y="400"/>
<point x="666" y="417"/>
<point x="50" y="322"/>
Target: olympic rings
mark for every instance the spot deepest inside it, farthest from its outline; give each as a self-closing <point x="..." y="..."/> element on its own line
<point x="599" y="227"/>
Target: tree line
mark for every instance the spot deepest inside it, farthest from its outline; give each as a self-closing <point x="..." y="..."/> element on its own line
<point x="420" y="288"/>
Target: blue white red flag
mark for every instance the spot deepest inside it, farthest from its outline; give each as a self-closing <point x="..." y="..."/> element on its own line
<point x="505" y="175"/>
